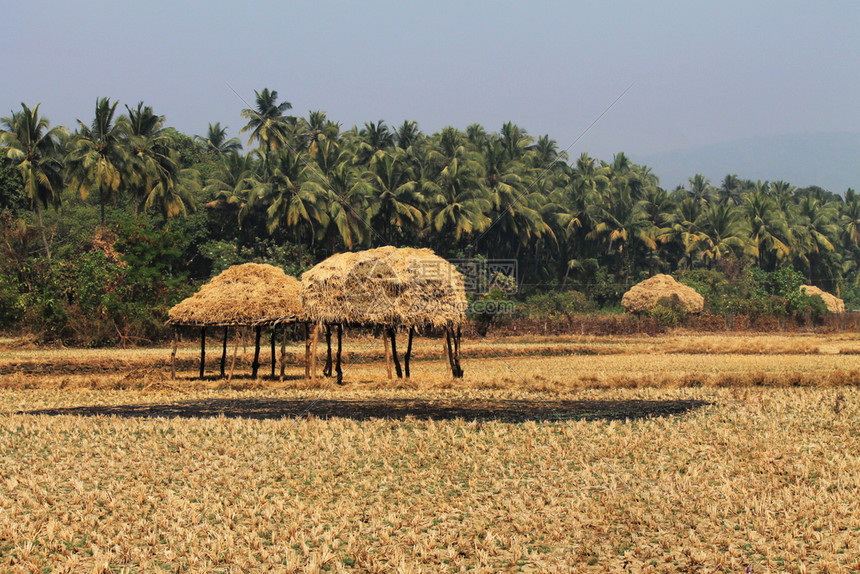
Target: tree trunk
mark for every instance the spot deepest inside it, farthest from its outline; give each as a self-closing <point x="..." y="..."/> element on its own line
<point x="42" y="229"/>
<point x="314" y="351"/>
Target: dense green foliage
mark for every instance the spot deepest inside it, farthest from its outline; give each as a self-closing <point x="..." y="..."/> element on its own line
<point x="144" y="213"/>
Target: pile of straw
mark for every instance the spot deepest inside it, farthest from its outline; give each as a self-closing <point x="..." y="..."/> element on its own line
<point x="834" y="303"/>
<point x="385" y="286"/>
<point x="248" y="294"/>
<point x="644" y="296"/>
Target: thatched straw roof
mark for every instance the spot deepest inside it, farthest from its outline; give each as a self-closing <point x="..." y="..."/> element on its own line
<point x="834" y="303"/>
<point x="385" y="286"/>
<point x="248" y="294"/>
<point x="645" y="295"/>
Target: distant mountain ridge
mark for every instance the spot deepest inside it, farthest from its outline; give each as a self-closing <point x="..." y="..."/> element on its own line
<point x="830" y="160"/>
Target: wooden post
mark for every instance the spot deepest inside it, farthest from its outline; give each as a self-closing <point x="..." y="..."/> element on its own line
<point x="283" y="351"/>
<point x="239" y="337"/>
<point x="408" y="354"/>
<point x="327" y="368"/>
<point x="224" y="351"/>
<point x="314" y="351"/>
<point x="337" y="369"/>
<point x="307" y="351"/>
<point x="393" y="333"/>
<point x="450" y="352"/>
<point x="445" y="357"/>
<point x="457" y="338"/>
<point x="274" y="332"/>
<point x="387" y="353"/>
<point x="173" y="354"/>
<point x="255" y="366"/>
<point x="202" y="350"/>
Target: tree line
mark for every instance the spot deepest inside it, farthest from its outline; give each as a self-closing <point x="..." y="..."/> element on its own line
<point x="159" y="204"/>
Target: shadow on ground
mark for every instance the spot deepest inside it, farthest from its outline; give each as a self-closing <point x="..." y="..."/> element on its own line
<point x="395" y="409"/>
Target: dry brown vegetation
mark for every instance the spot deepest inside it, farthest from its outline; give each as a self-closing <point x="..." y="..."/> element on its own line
<point x="642" y="454"/>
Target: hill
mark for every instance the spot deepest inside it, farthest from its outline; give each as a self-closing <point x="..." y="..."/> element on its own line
<point x="830" y="160"/>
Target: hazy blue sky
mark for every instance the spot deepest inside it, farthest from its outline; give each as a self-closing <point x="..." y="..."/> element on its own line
<point x="700" y="72"/>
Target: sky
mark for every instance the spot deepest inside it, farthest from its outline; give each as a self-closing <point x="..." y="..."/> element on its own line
<point x="598" y="77"/>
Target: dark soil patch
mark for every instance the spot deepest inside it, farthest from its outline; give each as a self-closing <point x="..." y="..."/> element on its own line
<point x="394" y="409"/>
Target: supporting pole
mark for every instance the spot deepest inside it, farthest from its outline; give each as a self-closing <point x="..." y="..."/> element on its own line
<point x="255" y="366"/>
<point x="239" y="337"/>
<point x="224" y="351"/>
<point x="202" y="350"/>
<point x="327" y="368"/>
<point x="307" y="351"/>
<point x="459" y="374"/>
<point x="337" y="368"/>
<point x="387" y="353"/>
<point x="283" y="351"/>
<point x="274" y="332"/>
<point x="314" y="351"/>
<point x="450" y="352"/>
<point x="393" y="334"/>
<point x="173" y="354"/>
<point x="446" y="357"/>
<point x="408" y="354"/>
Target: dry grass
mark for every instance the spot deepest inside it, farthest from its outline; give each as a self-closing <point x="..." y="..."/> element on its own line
<point x="760" y="476"/>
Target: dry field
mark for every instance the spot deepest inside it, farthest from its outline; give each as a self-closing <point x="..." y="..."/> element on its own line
<point x="682" y="453"/>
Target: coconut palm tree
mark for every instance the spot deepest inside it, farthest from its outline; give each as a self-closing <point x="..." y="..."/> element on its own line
<point x="34" y="148"/>
<point x="268" y="124"/>
<point x="458" y="204"/>
<point x="351" y="205"/>
<point x="217" y="143"/>
<point x="99" y="157"/>
<point x="720" y="230"/>
<point x="397" y="193"/>
<point x="770" y="235"/>
<point x="147" y="143"/>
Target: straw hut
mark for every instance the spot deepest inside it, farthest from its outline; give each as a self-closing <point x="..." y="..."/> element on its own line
<point x="247" y="295"/>
<point x="644" y="296"/>
<point x="834" y="304"/>
<point x="389" y="288"/>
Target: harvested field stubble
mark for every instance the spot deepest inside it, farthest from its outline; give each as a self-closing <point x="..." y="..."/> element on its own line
<point x="766" y="477"/>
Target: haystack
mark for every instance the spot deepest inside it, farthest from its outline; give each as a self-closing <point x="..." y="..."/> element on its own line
<point x="388" y="287"/>
<point x="644" y="296"/>
<point x="247" y="295"/>
<point x="834" y="303"/>
<point x="244" y="295"/>
<point x="385" y="286"/>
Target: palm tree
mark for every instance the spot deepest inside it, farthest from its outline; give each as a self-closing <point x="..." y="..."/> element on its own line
<point x="99" y="157"/>
<point x="148" y="145"/>
<point x="351" y="205"/>
<point x="217" y="143"/>
<point x="35" y="150"/>
<point x="169" y="192"/>
<point x="397" y="193"/>
<point x="231" y="183"/>
<point x="816" y="231"/>
<point x="282" y="184"/>
<point x="459" y="205"/>
<point x="267" y="123"/>
<point x="719" y="231"/>
<point x="769" y="232"/>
